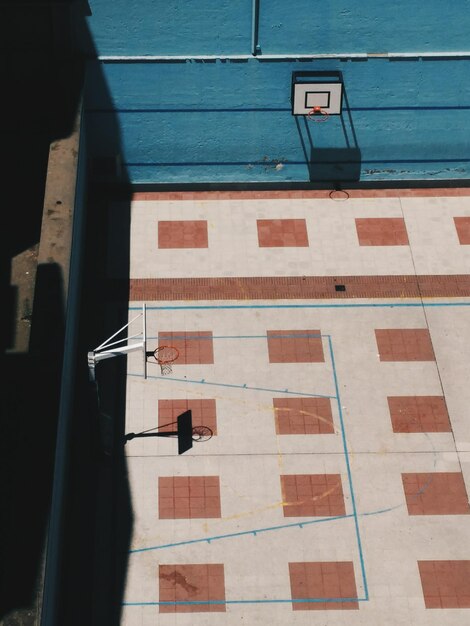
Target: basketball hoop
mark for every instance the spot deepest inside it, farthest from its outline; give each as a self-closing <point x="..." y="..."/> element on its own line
<point x="165" y="356"/>
<point x="317" y="114"/>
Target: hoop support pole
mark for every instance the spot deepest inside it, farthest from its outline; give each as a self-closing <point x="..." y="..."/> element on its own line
<point x="109" y="349"/>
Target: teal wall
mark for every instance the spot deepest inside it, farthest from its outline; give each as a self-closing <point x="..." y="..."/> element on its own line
<point x="224" y="121"/>
<point x="285" y="26"/>
<point x="171" y="26"/>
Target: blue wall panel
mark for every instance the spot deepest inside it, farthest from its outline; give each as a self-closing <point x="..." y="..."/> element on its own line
<point x="306" y="27"/>
<point x="173" y="27"/>
<point x="229" y="121"/>
<point x="373" y="83"/>
<point x="126" y="27"/>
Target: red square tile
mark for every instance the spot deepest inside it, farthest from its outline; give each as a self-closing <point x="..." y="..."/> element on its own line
<point x="381" y="231"/>
<point x="295" y="346"/>
<point x="303" y="416"/>
<point x="435" y="493"/>
<point x="446" y="584"/>
<point x="407" y="344"/>
<point x="182" y="234"/>
<point x="323" y="580"/>
<point x="203" y="413"/>
<point x="194" y="347"/>
<point x="312" y="495"/>
<point x="462" y="225"/>
<point x="419" y="414"/>
<point x="282" y="233"/>
<point x="192" y="588"/>
<point x="194" y="497"/>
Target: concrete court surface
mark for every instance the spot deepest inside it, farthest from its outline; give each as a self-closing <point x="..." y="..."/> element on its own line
<point x="334" y="489"/>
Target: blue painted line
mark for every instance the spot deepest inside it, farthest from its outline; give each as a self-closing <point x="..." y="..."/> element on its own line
<point x="256" y="531"/>
<point x="348" y="469"/>
<point x="244" y="386"/>
<point x="254" y="601"/>
<point x="253" y="532"/>
<point x="335" y="305"/>
<point x="380" y="511"/>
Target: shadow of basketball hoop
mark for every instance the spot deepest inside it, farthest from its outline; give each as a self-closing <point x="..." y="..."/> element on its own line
<point x="185" y="432"/>
<point x="201" y="433"/>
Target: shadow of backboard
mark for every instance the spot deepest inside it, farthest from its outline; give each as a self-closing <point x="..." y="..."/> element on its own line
<point x="335" y="164"/>
<point x="184" y="432"/>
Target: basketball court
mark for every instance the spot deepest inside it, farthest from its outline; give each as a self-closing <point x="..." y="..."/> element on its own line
<point x="330" y="464"/>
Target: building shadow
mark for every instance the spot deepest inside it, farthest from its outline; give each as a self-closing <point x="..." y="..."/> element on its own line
<point x="103" y="311"/>
<point x="63" y="483"/>
<point x="28" y="444"/>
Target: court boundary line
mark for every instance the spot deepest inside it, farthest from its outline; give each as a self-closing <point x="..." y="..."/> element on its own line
<point x="354" y="513"/>
<point x="336" y="305"/>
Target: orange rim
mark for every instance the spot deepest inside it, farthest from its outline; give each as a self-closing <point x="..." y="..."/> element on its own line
<point x="317" y="114"/>
<point x="166" y="354"/>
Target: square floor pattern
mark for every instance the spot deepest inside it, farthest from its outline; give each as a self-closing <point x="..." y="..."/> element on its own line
<point x="435" y="493"/>
<point x="446" y="584"/>
<point x="303" y="416"/>
<point x="192" y="583"/>
<point x="419" y="414"/>
<point x="381" y="231"/>
<point x="193" y="347"/>
<point x="295" y="346"/>
<point x="189" y="497"/>
<point x="407" y="344"/>
<point x="312" y="495"/>
<point x="329" y="580"/>
<point x="182" y="234"/>
<point x="462" y="225"/>
<point x="282" y="233"/>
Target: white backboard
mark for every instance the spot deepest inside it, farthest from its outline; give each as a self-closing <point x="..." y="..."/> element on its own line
<point x="328" y="96"/>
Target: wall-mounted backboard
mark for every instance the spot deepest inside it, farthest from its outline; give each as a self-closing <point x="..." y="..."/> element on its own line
<point x="306" y="96"/>
<point x="312" y="89"/>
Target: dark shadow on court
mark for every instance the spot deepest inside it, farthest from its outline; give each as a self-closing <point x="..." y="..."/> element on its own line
<point x="43" y="68"/>
<point x="104" y="310"/>
<point x="41" y="84"/>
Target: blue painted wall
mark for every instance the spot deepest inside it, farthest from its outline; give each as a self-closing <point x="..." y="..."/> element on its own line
<point x="230" y="121"/>
<point x="171" y="26"/>
<point x="285" y="26"/>
<point x="306" y="26"/>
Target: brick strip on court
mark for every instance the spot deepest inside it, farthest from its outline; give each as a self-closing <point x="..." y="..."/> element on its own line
<point x="253" y="194"/>
<point x="299" y="287"/>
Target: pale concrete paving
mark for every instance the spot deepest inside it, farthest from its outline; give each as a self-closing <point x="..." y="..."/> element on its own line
<point x="256" y="537"/>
